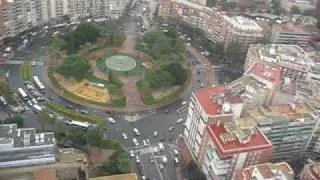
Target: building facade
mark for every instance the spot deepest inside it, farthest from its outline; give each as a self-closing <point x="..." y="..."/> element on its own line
<point x="215" y="24"/>
<point x="226" y="148"/>
<point x="207" y="106"/>
<point x="23" y="146"/>
<point x="108" y="9"/>
<point x="268" y="171"/>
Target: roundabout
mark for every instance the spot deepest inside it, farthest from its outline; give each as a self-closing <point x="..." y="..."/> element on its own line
<point x="120" y="63"/>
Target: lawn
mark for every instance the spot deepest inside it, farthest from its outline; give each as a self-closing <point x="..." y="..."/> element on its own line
<point x="26" y="72"/>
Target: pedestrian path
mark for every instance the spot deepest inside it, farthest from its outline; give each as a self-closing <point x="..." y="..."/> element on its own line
<point x="147" y="150"/>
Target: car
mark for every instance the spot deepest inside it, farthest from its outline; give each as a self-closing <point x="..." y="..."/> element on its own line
<point x="176" y="152"/>
<point x="164" y="159"/>
<point x="40" y="98"/>
<point x="148" y="141"/>
<point x="202" y="85"/>
<point x="111" y="120"/>
<point x="136" y="131"/>
<point x="51" y="98"/>
<point x="137" y="159"/>
<point x="143" y="177"/>
<point x="144" y="143"/>
<point x="135" y="142"/>
<point x="83" y="111"/>
<point x="161" y="166"/>
<point x="34" y="101"/>
<point x="171" y="128"/>
<point x="131" y="153"/>
<point x="33" y="63"/>
<point x="184" y="103"/>
<point x="161" y="146"/>
<point x="162" y="138"/>
<point x="176" y="160"/>
<point x="124" y="136"/>
<point x="26" y="108"/>
<point x="155" y="134"/>
<point x="151" y="160"/>
<point x="179" y="121"/>
<point x="69" y="106"/>
<point x="29" y="103"/>
<point x="167" y="111"/>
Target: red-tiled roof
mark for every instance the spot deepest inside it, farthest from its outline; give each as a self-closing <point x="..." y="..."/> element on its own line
<point x="210" y="107"/>
<point x="257" y="141"/>
<point x="266" y="72"/>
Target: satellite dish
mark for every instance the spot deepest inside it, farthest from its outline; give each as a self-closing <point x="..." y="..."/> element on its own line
<point x="226" y="107"/>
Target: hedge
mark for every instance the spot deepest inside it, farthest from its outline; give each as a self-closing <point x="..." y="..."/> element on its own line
<point x="74" y="115"/>
<point x="26" y="72"/>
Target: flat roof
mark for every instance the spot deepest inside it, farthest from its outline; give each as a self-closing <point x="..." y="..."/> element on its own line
<point x="45" y="174"/>
<point x="204" y="97"/>
<point x="266" y="72"/>
<point x="257" y="141"/>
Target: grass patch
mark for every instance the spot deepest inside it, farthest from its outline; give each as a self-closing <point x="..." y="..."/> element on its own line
<point x="113" y="89"/>
<point x="74" y="115"/>
<point x="26" y="72"/>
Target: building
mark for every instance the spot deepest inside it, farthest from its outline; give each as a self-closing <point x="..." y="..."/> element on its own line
<point x="303" y="5"/>
<point x="268" y="171"/>
<point x="108" y="9"/>
<point x="308" y="92"/>
<point x="130" y="176"/>
<point x="215" y="24"/>
<point x="293" y="61"/>
<point x="226" y="148"/>
<point x="57" y="8"/>
<point x="78" y="9"/>
<point x="207" y="106"/>
<point x="310" y="172"/>
<point x="23" y="146"/>
<point x="258" y="85"/>
<point x="288" y="127"/>
<point x="290" y="34"/>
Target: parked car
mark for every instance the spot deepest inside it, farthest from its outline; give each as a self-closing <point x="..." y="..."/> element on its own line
<point x="151" y="159"/>
<point x="83" y="111"/>
<point x="131" y="153"/>
<point x="164" y="159"/>
<point x="69" y="106"/>
<point x="135" y="142"/>
<point x="162" y="138"/>
<point x="111" y="120"/>
<point x="136" y="131"/>
<point x="176" y="160"/>
<point x="155" y="134"/>
<point x="180" y="121"/>
<point x="144" y="142"/>
<point x="137" y="159"/>
<point x="124" y="136"/>
<point x="171" y="128"/>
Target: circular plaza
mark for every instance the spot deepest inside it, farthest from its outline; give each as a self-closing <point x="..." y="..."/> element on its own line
<point x="120" y="63"/>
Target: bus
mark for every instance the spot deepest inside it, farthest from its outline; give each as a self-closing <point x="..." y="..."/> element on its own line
<point x="78" y="123"/>
<point x="23" y="94"/>
<point x="39" y="84"/>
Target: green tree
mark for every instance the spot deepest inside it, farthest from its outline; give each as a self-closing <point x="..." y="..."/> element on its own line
<point x="6" y="91"/>
<point x="75" y="66"/>
<point x="178" y="45"/>
<point x="317" y="14"/>
<point x="295" y="10"/>
<point x="15" y="120"/>
<point x="234" y="55"/>
<point x="194" y="173"/>
<point x="159" y="77"/>
<point x="211" y="3"/>
<point x="95" y="137"/>
<point x="118" y="163"/>
<point x="44" y="118"/>
<point x="177" y="72"/>
<point x="158" y="43"/>
<point x="229" y="5"/>
<point x="123" y="160"/>
<point x="276" y="5"/>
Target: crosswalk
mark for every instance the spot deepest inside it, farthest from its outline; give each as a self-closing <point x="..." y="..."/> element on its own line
<point x="147" y="150"/>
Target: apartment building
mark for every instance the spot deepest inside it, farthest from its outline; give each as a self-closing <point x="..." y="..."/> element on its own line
<point x="290" y="34"/>
<point x="258" y="85"/>
<point x="294" y="62"/>
<point x="288" y="127"/>
<point x="214" y="23"/>
<point x="310" y="172"/>
<point x="267" y="171"/>
<point x="308" y="92"/>
<point x="23" y="146"/>
<point x="79" y="9"/>
<point x="207" y="106"/>
<point x="226" y="148"/>
<point x="108" y="9"/>
<point x="57" y="8"/>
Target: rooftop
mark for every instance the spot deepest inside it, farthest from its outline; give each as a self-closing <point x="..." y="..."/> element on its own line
<point x="213" y="98"/>
<point x="130" y="176"/>
<point x="230" y="139"/>
<point x="267" y="171"/>
<point x="243" y="23"/>
<point x="315" y="170"/>
<point x="289" y="28"/>
<point x="266" y="72"/>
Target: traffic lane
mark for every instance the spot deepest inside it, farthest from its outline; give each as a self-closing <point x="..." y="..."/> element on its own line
<point x="15" y="78"/>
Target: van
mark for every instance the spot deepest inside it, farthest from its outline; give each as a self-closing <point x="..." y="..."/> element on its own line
<point x="164" y="159"/>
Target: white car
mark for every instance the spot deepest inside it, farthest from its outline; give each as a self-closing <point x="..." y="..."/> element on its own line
<point x="164" y="159"/>
<point x="155" y="134"/>
<point x="176" y="160"/>
<point x="131" y="153"/>
<point x="176" y="152"/>
<point x="179" y="121"/>
<point x="135" y="142"/>
<point x="137" y="159"/>
<point x="124" y="136"/>
<point x="111" y="120"/>
<point x="144" y="142"/>
<point x="136" y="131"/>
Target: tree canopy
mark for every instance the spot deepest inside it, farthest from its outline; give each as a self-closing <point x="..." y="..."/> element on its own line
<point x="85" y="33"/>
<point x="118" y="163"/>
<point x="15" y="120"/>
<point x="75" y="66"/>
<point x="295" y="10"/>
<point x="194" y="173"/>
<point x="6" y="91"/>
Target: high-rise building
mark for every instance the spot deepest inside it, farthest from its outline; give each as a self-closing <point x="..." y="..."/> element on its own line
<point x="210" y="105"/>
<point x="225" y="148"/>
<point x="288" y="127"/>
<point x="23" y="146"/>
<point x="215" y="24"/>
<point x="78" y="9"/>
<point x="290" y="34"/>
<point x="108" y="9"/>
<point x="57" y="8"/>
<point x="310" y="172"/>
<point x="268" y="171"/>
<point x="294" y="62"/>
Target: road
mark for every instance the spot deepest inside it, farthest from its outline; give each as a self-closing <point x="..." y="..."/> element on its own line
<point x="158" y="120"/>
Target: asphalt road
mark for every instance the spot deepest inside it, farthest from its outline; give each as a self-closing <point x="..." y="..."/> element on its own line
<point x="157" y="120"/>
